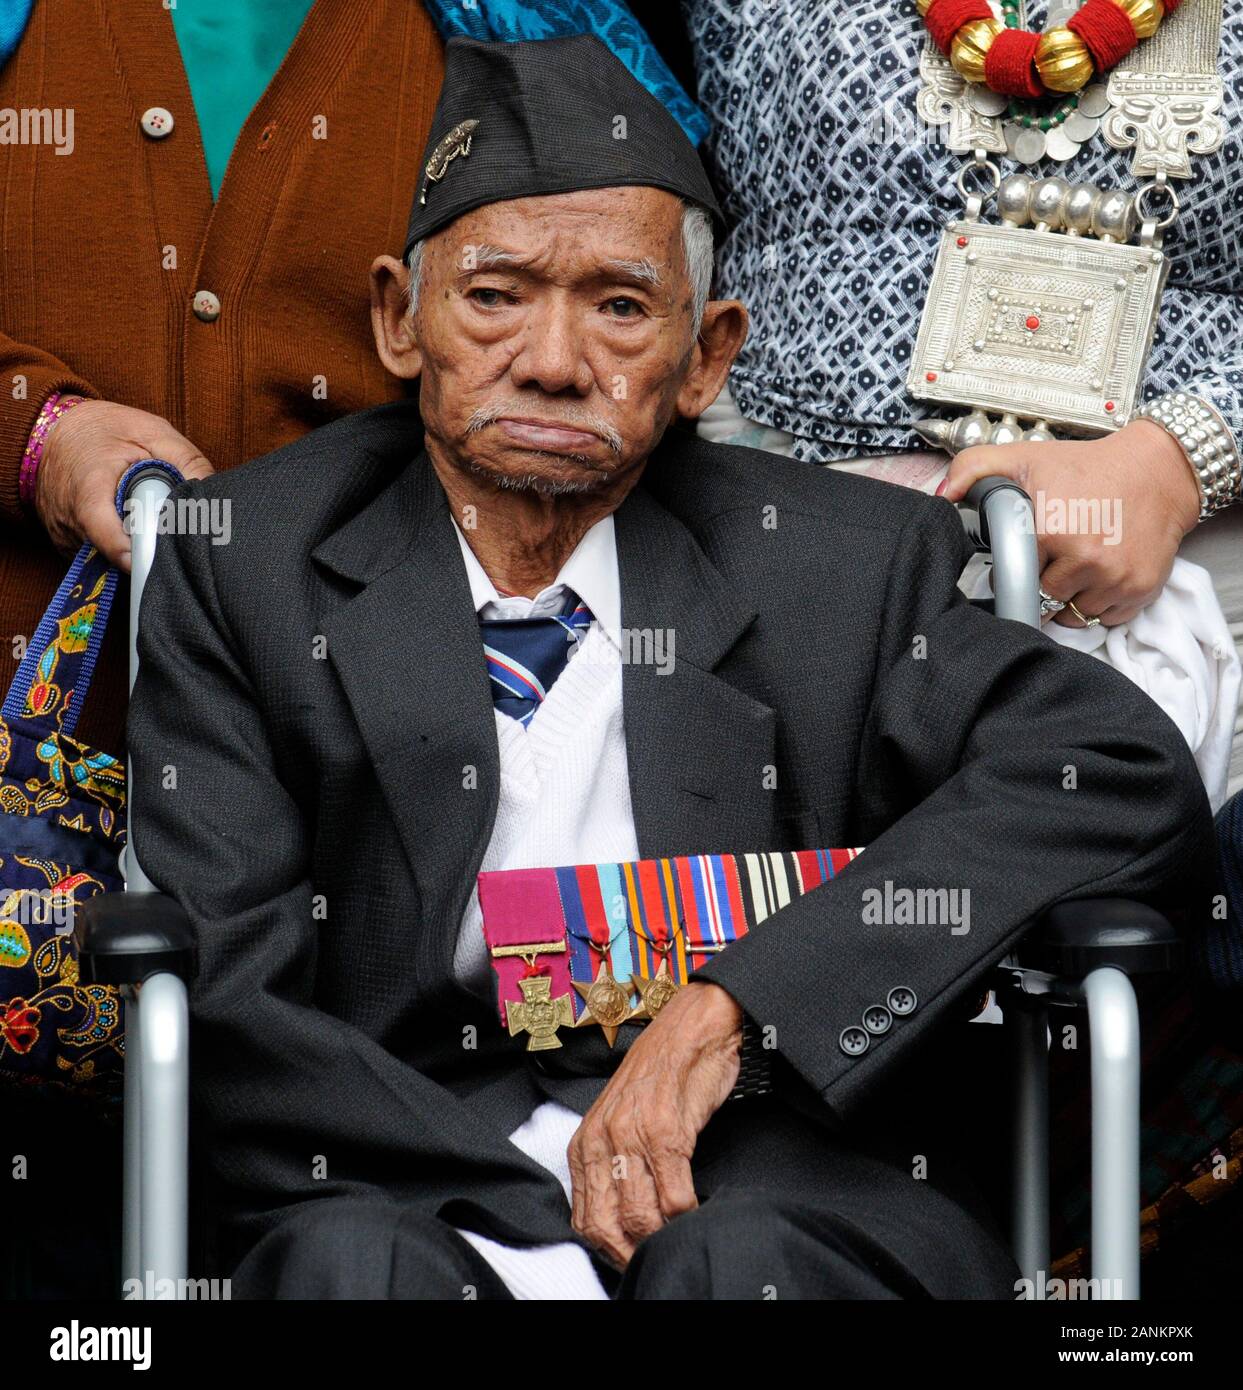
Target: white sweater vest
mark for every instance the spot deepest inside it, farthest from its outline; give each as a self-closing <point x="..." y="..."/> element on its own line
<point x="565" y="791"/>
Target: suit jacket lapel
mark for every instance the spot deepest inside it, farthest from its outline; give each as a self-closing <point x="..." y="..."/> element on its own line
<point x="408" y="653"/>
<point x="697" y="747"/>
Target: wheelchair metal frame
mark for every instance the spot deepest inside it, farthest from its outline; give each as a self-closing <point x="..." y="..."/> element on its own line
<point x="997" y="516"/>
<point x="1105" y="942"/>
<point x="154" y="1240"/>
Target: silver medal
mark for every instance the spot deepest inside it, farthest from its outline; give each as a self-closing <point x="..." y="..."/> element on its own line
<point x="984" y="100"/>
<point x="1094" y="101"/>
<point x="1029" y="146"/>
<point x="1058" y="145"/>
<point x="1080" y="127"/>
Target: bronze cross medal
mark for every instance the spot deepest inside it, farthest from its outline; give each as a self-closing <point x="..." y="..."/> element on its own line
<point x="457" y="142"/>
<point x="539" y="1014"/>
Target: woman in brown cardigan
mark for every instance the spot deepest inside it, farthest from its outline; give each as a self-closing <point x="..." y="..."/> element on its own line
<point x="203" y="331"/>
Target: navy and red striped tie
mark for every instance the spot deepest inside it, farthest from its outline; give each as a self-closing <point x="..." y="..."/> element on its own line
<point x="526" y="655"/>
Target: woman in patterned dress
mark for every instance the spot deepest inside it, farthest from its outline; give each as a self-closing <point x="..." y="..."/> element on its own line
<point x="837" y="191"/>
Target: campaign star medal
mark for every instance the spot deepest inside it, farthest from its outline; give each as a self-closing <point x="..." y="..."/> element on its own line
<point x="457" y="142"/>
<point x="608" y="1003"/>
<point x="539" y="1015"/>
<point x="655" y="993"/>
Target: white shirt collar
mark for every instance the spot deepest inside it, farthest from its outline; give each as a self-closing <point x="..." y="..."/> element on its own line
<point x="591" y="571"/>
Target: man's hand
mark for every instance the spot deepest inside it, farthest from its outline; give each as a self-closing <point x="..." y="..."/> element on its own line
<point x="630" y="1160"/>
<point x="1110" y="512"/>
<point x="86" y="452"/>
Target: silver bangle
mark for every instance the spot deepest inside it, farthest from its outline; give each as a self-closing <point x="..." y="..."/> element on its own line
<point x="1205" y="438"/>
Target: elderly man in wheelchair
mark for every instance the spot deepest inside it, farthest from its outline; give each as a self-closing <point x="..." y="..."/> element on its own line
<point x="679" y="1040"/>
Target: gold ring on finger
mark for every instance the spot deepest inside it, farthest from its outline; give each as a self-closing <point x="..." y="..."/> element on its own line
<point x="1083" y="617"/>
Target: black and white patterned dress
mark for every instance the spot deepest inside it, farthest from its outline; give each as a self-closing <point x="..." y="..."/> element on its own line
<point x="838" y="190"/>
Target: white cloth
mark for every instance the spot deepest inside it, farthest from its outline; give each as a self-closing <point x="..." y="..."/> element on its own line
<point x="1180" y="650"/>
<point x="1217" y="546"/>
<point x="544" y="1271"/>
<point x="564" y="799"/>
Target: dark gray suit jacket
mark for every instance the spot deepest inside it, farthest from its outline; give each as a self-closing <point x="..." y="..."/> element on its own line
<point x="312" y="701"/>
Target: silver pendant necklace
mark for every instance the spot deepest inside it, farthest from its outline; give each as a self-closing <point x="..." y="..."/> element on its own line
<point x="1048" y="317"/>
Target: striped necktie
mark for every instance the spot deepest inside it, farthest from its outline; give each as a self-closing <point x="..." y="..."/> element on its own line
<point x="526" y="655"/>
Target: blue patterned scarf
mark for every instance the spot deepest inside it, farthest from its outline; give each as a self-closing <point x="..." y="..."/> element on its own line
<point x="14" y="16"/>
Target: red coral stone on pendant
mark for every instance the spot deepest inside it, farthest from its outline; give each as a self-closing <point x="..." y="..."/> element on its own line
<point x="1033" y="322"/>
<point x="1109" y="405"/>
<point x="962" y="240"/>
<point x="930" y="376"/>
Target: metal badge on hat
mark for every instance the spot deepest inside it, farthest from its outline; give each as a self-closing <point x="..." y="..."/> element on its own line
<point x="1048" y="318"/>
<point x="456" y="143"/>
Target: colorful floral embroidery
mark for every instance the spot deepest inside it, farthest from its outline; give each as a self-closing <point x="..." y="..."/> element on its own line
<point x="43" y="695"/>
<point x="62" y="824"/>
<point x="98" y="774"/>
<point x="19" y="1025"/>
<point x="63" y="795"/>
<point x="14" y="938"/>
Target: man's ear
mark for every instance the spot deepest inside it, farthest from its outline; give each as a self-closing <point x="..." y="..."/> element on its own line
<point x="391" y="322"/>
<point x="721" y="336"/>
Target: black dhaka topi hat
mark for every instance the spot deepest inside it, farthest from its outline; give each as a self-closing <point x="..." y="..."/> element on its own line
<point x="521" y="120"/>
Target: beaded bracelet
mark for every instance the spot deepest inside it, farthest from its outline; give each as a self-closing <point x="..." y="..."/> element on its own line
<point x="53" y="408"/>
<point x="1206" y="440"/>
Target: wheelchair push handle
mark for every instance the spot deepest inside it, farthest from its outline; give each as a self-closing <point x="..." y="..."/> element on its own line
<point x="125" y="938"/>
<point x="997" y="516"/>
<point x="141" y="495"/>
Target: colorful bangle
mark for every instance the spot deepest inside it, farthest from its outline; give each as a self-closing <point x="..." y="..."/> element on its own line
<point x="53" y="408"/>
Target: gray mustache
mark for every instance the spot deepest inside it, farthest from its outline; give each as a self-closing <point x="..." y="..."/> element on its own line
<point x="489" y="414"/>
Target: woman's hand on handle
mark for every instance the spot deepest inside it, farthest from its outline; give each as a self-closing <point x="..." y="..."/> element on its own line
<point x="86" y="453"/>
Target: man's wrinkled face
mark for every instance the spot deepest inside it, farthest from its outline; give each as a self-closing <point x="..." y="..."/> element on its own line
<point x="555" y="334"/>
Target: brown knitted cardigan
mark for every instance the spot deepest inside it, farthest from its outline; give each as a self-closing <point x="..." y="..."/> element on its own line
<point x="103" y="249"/>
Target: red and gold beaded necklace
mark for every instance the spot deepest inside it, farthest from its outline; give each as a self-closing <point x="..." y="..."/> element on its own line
<point x="1016" y="62"/>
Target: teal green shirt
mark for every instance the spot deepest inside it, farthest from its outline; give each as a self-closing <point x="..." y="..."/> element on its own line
<point x="230" y="50"/>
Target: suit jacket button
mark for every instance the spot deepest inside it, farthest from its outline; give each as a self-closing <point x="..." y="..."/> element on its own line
<point x="877" y="1019"/>
<point x="854" y="1042"/>
<point x="903" y="1000"/>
